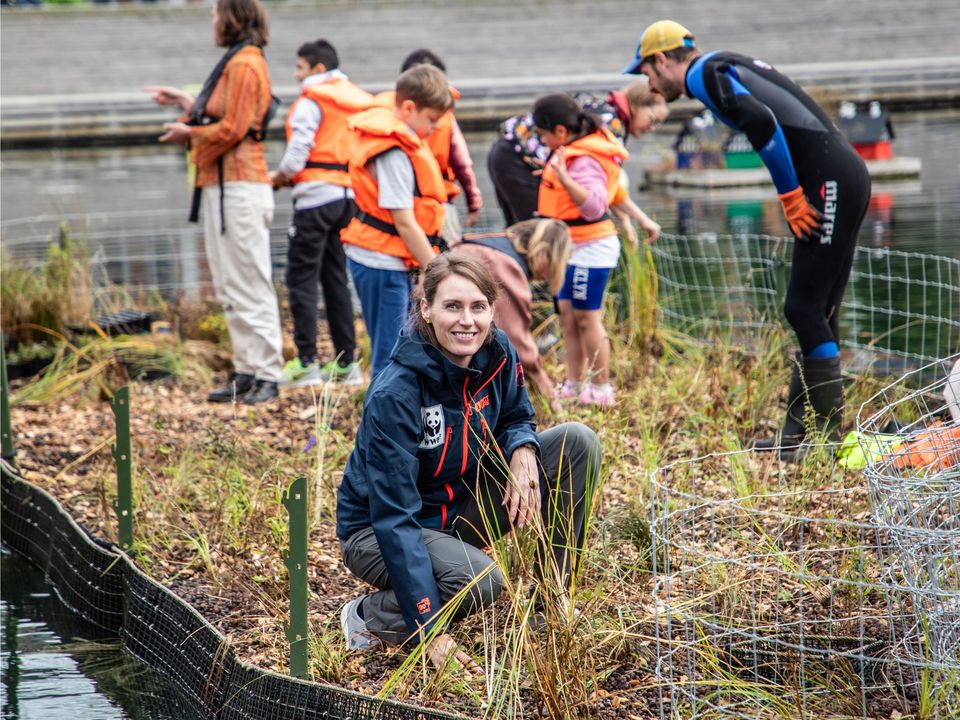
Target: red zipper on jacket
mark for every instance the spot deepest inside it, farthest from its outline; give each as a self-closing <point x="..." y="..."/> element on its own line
<point x="468" y="410"/>
<point x="443" y="454"/>
<point x="443" y="506"/>
<point x="466" y="425"/>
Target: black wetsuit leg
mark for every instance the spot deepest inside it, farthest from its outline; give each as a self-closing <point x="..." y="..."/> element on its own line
<point x="515" y="184"/>
<point x="840" y="189"/>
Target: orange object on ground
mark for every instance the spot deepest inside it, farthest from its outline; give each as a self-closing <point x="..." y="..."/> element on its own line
<point x="936" y="448"/>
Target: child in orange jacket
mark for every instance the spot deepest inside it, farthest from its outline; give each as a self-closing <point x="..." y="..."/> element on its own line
<point x="579" y="183"/>
<point x="450" y="149"/>
<point x="400" y="198"/>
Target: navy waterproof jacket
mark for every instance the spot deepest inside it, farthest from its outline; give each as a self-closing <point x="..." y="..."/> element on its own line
<point x="426" y="422"/>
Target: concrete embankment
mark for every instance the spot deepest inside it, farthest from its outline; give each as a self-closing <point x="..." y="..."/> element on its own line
<point x="75" y="77"/>
<point x="129" y="118"/>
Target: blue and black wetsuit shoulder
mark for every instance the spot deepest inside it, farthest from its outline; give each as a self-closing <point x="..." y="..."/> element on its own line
<point x="783" y="124"/>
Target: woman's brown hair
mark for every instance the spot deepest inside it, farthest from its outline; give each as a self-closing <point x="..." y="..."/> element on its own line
<point x="438" y="270"/>
<point x="240" y="20"/>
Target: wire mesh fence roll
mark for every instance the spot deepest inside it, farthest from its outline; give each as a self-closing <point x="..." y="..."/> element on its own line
<point x="900" y="308"/>
<point x="775" y="596"/>
<point x="911" y="438"/>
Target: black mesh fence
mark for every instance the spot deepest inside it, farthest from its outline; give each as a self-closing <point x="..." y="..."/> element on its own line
<point x="104" y="587"/>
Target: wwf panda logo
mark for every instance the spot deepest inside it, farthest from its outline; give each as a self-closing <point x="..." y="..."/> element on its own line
<point x="433" y="426"/>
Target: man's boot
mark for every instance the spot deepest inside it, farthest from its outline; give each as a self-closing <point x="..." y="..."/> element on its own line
<point x="825" y="394"/>
<point x="793" y="430"/>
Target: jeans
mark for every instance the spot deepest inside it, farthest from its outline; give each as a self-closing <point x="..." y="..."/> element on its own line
<point x="385" y="302"/>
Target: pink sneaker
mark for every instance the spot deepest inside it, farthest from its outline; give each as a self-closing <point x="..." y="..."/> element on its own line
<point x="567" y="390"/>
<point x="599" y="395"/>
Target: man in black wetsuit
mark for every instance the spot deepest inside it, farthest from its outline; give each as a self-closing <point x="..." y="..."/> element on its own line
<point x="823" y="186"/>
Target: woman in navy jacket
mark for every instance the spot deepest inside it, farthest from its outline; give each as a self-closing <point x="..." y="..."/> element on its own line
<point x="425" y="488"/>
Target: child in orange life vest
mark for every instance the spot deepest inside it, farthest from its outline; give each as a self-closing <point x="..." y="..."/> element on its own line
<point x="579" y="183"/>
<point x="315" y="164"/>
<point x="450" y="149"/>
<point x="400" y="197"/>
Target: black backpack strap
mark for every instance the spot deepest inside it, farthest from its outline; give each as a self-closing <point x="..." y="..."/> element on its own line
<point x="436" y="241"/>
<point x="261" y="134"/>
<point x="326" y="166"/>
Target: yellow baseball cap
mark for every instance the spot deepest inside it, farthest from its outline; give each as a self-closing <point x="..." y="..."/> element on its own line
<point x="659" y="37"/>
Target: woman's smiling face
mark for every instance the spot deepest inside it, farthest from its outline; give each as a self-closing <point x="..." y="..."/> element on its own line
<point x="461" y="316"/>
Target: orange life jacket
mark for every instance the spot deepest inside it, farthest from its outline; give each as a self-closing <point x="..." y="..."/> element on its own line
<point x="438" y="141"/>
<point x="376" y="131"/>
<point x="554" y="201"/>
<point x="339" y="100"/>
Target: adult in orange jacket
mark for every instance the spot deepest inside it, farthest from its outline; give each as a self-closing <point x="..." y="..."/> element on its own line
<point x="225" y="139"/>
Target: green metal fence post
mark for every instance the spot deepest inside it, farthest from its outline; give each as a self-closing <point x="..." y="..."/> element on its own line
<point x="6" y="427"/>
<point x="295" y="500"/>
<point x="121" y="455"/>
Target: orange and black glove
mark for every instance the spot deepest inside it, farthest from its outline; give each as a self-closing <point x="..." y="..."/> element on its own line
<point x="804" y="219"/>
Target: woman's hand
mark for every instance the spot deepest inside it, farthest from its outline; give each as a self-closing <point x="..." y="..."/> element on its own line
<point x="176" y="132"/>
<point x="473" y="217"/>
<point x="443" y="647"/>
<point x="167" y="96"/>
<point x="522" y="495"/>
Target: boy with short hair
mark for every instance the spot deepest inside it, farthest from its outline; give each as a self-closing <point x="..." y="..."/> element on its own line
<point x="450" y="149"/>
<point x="315" y="163"/>
<point x="400" y="195"/>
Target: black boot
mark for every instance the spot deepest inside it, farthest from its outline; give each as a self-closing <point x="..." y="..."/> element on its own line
<point x="793" y="430"/>
<point x="825" y="394"/>
<point x="262" y="391"/>
<point x="238" y="385"/>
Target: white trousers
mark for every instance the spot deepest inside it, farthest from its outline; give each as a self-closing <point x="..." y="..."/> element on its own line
<point x="239" y="260"/>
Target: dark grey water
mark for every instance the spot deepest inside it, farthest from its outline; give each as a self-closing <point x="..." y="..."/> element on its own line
<point x="55" y="665"/>
<point x="130" y="206"/>
<point x="133" y="202"/>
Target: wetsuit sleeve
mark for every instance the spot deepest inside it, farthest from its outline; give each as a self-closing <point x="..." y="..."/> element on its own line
<point x="392" y="466"/>
<point x="515" y="425"/>
<point x="738" y="108"/>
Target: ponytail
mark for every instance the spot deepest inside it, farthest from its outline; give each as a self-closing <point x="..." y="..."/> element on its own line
<point x="589" y="123"/>
<point x="560" y="109"/>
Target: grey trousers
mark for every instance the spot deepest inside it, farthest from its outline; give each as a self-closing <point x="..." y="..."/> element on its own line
<point x="570" y="467"/>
